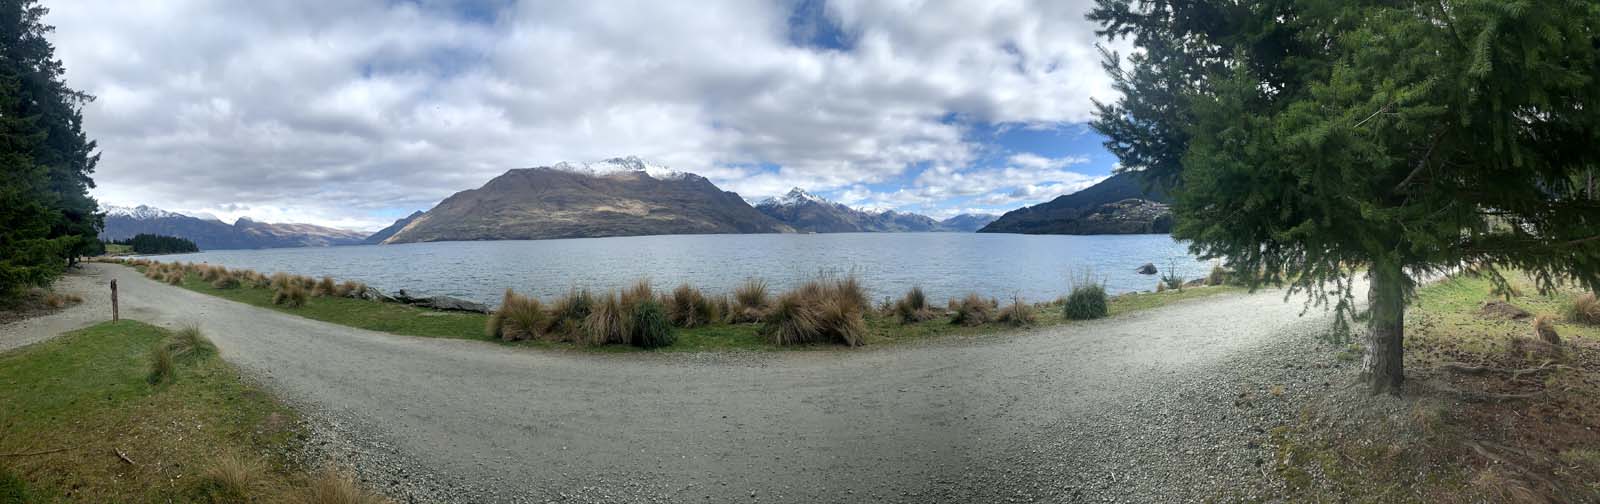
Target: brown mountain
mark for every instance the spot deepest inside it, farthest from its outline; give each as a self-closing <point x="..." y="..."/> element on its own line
<point x="1117" y="205"/>
<point x="615" y="197"/>
<point x="210" y="234"/>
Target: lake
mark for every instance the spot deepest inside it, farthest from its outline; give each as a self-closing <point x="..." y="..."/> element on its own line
<point x="946" y="265"/>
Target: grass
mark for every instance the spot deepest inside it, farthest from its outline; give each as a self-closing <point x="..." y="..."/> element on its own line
<point x="1498" y="436"/>
<point x="605" y="327"/>
<point x="202" y="434"/>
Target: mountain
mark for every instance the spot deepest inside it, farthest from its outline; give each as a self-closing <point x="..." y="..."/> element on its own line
<point x="807" y="212"/>
<point x="212" y="234"/>
<point x="615" y="197"/>
<point x="967" y="223"/>
<point x="1116" y="205"/>
<point x="385" y="233"/>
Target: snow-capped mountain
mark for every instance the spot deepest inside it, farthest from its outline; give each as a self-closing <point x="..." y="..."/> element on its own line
<point x="209" y="233"/>
<point x="613" y="166"/>
<point x="808" y="212"/>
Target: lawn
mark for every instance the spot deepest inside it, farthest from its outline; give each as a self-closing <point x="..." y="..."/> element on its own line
<point x="83" y="422"/>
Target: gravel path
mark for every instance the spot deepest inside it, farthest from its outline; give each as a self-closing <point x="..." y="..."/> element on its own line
<point x="1170" y="405"/>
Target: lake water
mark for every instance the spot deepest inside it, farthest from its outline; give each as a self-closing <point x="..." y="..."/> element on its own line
<point x="946" y="265"/>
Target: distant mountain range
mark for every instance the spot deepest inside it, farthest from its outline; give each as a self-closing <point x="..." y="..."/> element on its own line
<point x="209" y="233"/>
<point x="809" y="213"/>
<point x="615" y="197"/>
<point x="1116" y="205"/>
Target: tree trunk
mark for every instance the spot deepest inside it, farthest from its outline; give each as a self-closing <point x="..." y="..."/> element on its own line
<point x="1384" y="365"/>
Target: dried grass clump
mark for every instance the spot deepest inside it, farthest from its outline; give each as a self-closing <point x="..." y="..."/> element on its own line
<point x="568" y="313"/>
<point x="173" y="277"/>
<point x="519" y="318"/>
<point x="1584" y="309"/>
<point x="325" y="288"/>
<point x="1546" y="330"/>
<point x="161" y="365"/>
<point x="210" y="273"/>
<point x="280" y="280"/>
<point x="231" y="478"/>
<point x="291" y="295"/>
<point x="155" y="271"/>
<point x="750" y="301"/>
<point x="334" y="487"/>
<point x="688" y="307"/>
<point x="913" y="307"/>
<point x="1017" y="313"/>
<point x="825" y="310"/>
<point x="1218" y="275"/>
<point x="224" y="280"/>
<point x="608" y="322"/>
<point x="974" y="310"/>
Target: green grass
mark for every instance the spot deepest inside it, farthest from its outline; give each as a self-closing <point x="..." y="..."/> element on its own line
<point x="881" y="328"/>
<point x="85" y="394"/>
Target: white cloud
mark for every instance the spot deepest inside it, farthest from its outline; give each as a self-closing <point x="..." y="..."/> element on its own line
<point x="341" y="112"/>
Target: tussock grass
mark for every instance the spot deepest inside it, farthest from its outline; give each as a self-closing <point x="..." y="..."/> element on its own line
<point x="161" y="366"/>
<point x="325" y="287"/>
<point x="1017" y="313"/>
<point x="1088" y="300"/>
<point x="569" y="312"/>
<point x="292" y="295"/>
<point x="188" y="340"/>
<point x="224" y="281"/>
<point x="651" y="327"/>
<point x="823" y="310"/>
<point x="1584" y="309"/>
<point x="1546" y="330"/>
<point x="974" y="310"/>
<point x="519" y="318"/>
<point x="231" y="478"/>
<point x="1218" y="276"/>
<point x="913" y="307"/>
<point x="688" y="308"/>
<point x="608" y="322"/>
<point x="280" y="281"/>
<point x="750" y="301"/>
<point x="173" y="277"/>
<point x="334" y="487"/>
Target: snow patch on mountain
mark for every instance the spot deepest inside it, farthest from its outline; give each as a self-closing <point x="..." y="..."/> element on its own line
<point x="630" y="164"/>
<point x="794" y="197"/>
<point x="140" y="212"/>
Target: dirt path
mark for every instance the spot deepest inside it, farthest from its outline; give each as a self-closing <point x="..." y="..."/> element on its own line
<point x="1166" y="404"/>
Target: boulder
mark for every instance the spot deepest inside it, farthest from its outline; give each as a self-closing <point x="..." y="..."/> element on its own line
<point x="371" y="294"/>
<point x="1147" y="269"/>
<point x="448" y="303"/>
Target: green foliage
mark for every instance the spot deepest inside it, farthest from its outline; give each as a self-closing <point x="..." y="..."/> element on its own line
<point x="1303" y="139"/>
<point x="651" y="329"/>
<point x="47" y="219"/>
<point x="145" y="243"/>
<point x="1087" y="301"/>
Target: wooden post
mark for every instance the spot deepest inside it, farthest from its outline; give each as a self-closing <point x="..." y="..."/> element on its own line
<point x="114" y="315"/>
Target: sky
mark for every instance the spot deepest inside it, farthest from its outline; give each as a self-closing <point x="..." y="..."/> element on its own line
<point x="352" y="113"/>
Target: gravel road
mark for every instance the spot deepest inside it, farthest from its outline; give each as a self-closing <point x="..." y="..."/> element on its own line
<point x="1170" y="404"/>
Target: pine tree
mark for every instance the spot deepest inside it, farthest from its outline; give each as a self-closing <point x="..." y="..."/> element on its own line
<point x="47" y="218"/>
<point x="1303" y="138"/>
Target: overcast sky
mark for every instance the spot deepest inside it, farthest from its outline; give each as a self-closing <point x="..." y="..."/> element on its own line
<point x="352" y="113"/>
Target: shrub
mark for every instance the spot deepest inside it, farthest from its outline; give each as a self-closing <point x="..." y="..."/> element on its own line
<point x="1017" y="313"/>
<point x="750" y="301"/>
<point x="608" y="322"/>
<point x="292" y="296"/>
<point x="688" y="307"/>
<point x="1171" y="281"/>
<point x="1087" y="301"/>
<point x="230" y="478"/>
<point x="325" y="288"/>
<point x="974" y="310"/>
<point x="913" y="307"/>
<point x="518" y="318"/>
<point x="651" y="329"/>
<point x="822" y="310"/>
<point x="1584" y="309"/>
<point x="161" y="367"/>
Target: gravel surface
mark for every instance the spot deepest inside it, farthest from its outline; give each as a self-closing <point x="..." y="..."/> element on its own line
<point x="1171" y="405"/>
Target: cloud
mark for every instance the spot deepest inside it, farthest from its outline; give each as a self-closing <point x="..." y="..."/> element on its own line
<point x="354" y="112"/>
